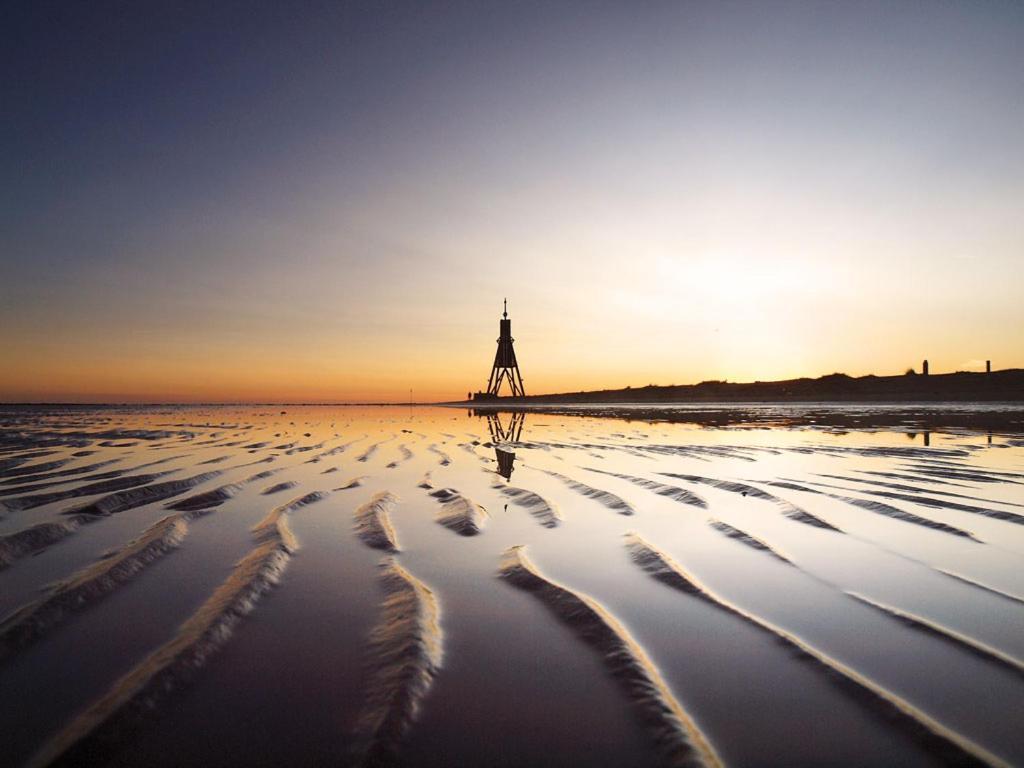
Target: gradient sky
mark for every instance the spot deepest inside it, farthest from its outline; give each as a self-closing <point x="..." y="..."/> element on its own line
<point x="328" y="201"/>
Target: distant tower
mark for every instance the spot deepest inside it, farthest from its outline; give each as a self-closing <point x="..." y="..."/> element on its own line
<point x="988" y="366"/>
<point x="924" y="368"/>
<point x="505" y="365"/>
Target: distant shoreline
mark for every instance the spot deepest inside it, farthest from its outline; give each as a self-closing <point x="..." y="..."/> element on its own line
<point x="998" y="386"/>
<point x="1006" y="386"/>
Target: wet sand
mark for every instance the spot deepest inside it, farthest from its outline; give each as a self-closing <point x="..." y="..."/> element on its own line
<point x="360" y="586"/>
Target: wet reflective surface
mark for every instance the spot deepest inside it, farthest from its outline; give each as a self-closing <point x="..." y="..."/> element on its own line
<point x="431" y="586"/>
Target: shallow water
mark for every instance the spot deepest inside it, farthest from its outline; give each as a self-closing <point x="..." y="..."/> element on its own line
<point x="834" y="595"/>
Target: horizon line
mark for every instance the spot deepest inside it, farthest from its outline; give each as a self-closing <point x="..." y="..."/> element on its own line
<point x="350" y="403"/>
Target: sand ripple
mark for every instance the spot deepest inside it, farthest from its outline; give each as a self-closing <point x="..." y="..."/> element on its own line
<point x="85" y="588"/>
<point x="673" y="492"/>
<point x="96" y="733"/>
<point x="137" y="497"/>
<point x="373" y="522"/>
<point x="538" y="506"/>
<point x="36" y="538"/>
<point x="405" y="655"/>
<point x="968" y="644"/>
<point x="946" y="745"/>
<point x="458" y="513"/>
<point x="789" y="509"/>
<point x="608" y="499"/>
<point x="679" y="740"/>
<point x="745" y="538"/>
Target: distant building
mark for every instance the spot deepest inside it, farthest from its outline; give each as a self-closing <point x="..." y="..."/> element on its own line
<point x="924" y="368"/>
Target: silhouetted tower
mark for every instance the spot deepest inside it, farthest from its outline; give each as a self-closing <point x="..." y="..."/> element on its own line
<point x="505" y="365"/>
<point x="988" y="366"/>
<point x="924" y="368"/>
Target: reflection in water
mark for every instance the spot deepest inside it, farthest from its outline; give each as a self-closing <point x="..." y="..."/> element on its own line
<point x="506" y="459"/>
<point x="927" y="437"/>
<point x="1001" y="418"/>
<point x="502" y="433"/>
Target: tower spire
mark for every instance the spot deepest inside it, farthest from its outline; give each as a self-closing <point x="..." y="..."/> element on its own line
<point x="505" y="313"/>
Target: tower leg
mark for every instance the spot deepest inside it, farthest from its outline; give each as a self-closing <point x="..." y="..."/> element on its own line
<point x="501" y="375"/>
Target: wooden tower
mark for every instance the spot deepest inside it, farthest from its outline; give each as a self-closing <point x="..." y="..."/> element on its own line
<point x="505" y="365"/>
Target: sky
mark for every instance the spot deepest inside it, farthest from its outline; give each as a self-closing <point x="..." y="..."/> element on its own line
<point x="327" y="202"/>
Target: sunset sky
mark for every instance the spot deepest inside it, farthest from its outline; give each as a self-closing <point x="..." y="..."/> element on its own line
<point x="328" y="201"/>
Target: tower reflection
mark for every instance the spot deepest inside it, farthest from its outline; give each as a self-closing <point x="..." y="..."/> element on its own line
<point x="502" y="434"/>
